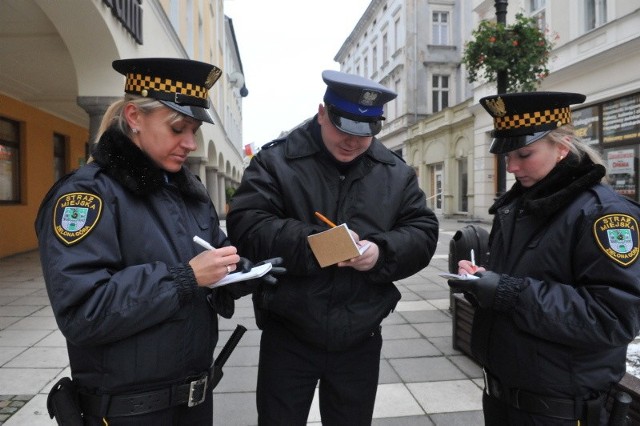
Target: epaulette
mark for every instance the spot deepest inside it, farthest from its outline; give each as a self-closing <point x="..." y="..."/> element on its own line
<point x="273" y="143"/>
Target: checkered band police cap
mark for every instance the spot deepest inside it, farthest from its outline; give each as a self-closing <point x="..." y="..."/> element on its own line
<point x="523" y="118"/>
<point x="181" y="84"/>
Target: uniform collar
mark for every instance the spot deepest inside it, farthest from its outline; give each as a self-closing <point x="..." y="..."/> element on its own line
<point x="558" y="189"/>
<point x="301" y="143"/>
<point x="121" y="159"/>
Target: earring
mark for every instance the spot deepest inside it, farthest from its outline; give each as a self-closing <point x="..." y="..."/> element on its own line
<point x="134" y="131"/>
<point x="561" y="157"/>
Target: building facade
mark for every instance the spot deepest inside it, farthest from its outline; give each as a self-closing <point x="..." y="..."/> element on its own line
<point x="437" y="123"/>
<point x="415" y="48"/>
<point x="56" y="82"/>
<point x="597" y="53"/>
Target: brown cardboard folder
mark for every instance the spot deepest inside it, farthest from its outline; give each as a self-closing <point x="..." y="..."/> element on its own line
<point x="334" y="245"/>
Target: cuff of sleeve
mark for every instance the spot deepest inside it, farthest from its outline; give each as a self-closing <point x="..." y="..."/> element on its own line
<point x="185" y="282"/>
<point x="507" y="293"/>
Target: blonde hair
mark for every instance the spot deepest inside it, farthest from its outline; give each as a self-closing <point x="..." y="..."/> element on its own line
<point x="566" y="136"/>
<point x="114" y="116"/>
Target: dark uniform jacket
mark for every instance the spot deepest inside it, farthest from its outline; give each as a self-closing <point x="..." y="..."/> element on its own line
<point x="569" y="301"/>
<point x="115" y="240"/>
<point x="272" y="213"/>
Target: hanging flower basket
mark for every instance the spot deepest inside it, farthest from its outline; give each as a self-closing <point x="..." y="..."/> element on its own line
<point x="522" y="49"/>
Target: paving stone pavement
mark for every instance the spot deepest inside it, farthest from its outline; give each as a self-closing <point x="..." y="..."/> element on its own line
<point x="423" y="380"/>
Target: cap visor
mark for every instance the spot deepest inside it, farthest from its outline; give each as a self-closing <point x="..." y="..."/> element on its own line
<point x="356" y="128"/>
<point x="190" y="111"/>
<point x="504" y="145"/>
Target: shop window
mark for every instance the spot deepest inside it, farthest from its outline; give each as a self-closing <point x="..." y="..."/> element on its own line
<point x="463" y="182"/>
<point x="59" y="156"/>
<point x="9" y="161"/>
<point x="622" y="168"/>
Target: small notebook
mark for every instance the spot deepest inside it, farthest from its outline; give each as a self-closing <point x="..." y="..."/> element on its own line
<point x="335" y="245"/>
<point x="463" y="277"/>
<point x="256" y="272"/>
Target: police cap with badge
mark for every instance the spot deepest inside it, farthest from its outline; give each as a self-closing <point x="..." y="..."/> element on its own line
<point x="355" y="104"/>
<point x="181" y="84"/>
<point x="520" y="119"/>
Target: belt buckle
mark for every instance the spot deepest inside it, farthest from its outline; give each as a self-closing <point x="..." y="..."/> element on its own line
<point x="197" y="391"/>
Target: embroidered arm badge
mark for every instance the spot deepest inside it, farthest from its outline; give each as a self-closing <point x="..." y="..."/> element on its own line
<point x="75" y="215"/>
<point x="617" y="236"/>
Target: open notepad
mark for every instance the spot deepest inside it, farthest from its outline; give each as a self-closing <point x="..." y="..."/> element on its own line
<point x="335" y="245"/>
<point x="463" y="277"/>
<point x="256" y="272"/>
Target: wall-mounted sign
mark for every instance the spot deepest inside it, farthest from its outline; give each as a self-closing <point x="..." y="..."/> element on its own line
<point x="620" y="161"/>
<point x="585" y="122"/>
<point x="621" y="119"/>
<point x="621" y="168"/>
<point x="129" y="13"/>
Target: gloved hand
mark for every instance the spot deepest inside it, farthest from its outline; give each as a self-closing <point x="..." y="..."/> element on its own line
<point x="244" y="265"/>
<point x="483" y="290"/>
<point x="276" y="269"/>
<point x="222" y="301"/>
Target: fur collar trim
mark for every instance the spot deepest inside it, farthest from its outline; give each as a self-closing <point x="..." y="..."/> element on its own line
<point x="558" y="189"/>
<point x="121" y="159"/>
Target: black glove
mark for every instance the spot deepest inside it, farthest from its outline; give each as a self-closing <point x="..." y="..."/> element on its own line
<point x="275" y="270"/>
<point x="483" y="290"/>
<point x="222" y="301"/>
<point x="244" y="265"/>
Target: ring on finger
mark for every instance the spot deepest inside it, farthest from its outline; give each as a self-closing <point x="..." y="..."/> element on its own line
<point x="228" y="269"/>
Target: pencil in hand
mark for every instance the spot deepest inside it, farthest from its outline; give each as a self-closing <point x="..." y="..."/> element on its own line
<point x="324" y="219"/>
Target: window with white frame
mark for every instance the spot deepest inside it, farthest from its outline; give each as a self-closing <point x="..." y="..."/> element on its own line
<point x="385" y="48"/>
<point x="439" y="92"/>
<point x="537" y="9"/>
<point x="440" y="28"/>
<point x="374" y="58"/>
<point x="397" y="34"/>
<point x="595" y="13"/>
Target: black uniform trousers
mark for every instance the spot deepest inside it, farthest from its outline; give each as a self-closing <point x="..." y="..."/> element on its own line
<point x="291" y="368"/>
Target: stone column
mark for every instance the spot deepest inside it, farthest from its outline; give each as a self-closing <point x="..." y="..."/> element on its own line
<point x="95" y="106"/>
<point x="211" y="174"/>
<point x="221" y="195"/>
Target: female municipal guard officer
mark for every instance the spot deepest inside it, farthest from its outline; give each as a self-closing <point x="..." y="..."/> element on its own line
<point x="559" y="299"/>
<point x="128" y="286"/>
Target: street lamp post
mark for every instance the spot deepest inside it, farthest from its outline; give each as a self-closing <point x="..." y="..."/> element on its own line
<point x="501" y="18"/>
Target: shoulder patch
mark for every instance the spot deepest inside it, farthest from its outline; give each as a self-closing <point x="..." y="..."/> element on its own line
<point x="75" y="215"/>
<point x="617" y="236"/>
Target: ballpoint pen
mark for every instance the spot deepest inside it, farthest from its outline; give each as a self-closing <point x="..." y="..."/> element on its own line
<point x="202" y="243"/>
<point x="325" y="220"/>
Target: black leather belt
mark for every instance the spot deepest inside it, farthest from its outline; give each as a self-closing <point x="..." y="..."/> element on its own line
<point x="566" y="409"/>
<point x="191" y="393"/>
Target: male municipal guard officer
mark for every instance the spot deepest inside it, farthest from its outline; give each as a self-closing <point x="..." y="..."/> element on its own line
<point x="559" y="299"/>
<point x="323" y="324"/>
